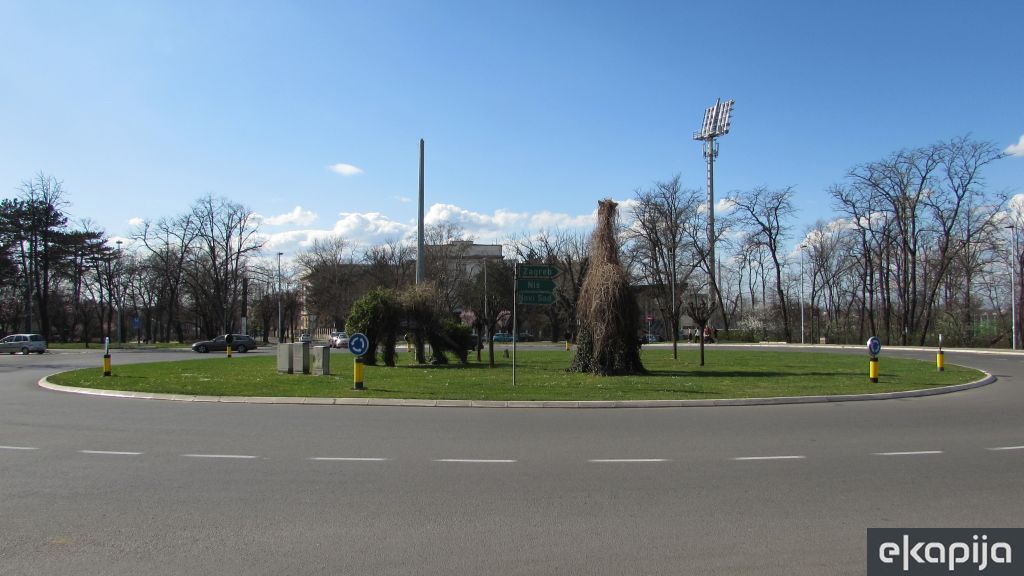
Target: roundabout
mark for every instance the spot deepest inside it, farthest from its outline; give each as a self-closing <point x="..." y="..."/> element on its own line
<point x="96" y="485"/>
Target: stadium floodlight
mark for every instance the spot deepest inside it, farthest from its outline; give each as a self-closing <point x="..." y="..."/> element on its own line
<point x="716" y="123"/>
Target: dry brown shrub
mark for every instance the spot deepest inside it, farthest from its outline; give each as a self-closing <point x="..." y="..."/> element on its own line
<point x="608" y="341"/>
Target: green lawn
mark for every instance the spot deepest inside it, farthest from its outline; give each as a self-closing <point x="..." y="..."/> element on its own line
<point x="540" y="375"/>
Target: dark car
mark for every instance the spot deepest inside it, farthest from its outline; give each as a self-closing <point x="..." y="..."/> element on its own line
<point x="502" y="337"/>
<point x="239" y="343"/>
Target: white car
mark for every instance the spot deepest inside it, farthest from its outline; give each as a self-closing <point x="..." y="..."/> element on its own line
<point x="339" y="340"/>
<point x="23" y="343"/>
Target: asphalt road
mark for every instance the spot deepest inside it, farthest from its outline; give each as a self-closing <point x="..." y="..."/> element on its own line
<point x="104" y="486"/>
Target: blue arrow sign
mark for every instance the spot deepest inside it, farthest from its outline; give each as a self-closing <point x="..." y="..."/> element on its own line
<point x="358" y="344"/>
<point x="874" y="346"/>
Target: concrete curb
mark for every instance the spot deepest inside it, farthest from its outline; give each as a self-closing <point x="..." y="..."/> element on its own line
<point x="988" y="379"/>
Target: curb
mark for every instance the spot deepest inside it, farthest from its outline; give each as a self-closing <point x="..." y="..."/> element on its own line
<point x="988" y="379"/>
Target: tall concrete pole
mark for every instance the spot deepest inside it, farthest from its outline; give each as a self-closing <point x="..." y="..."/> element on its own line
<point x="421" y="265"/>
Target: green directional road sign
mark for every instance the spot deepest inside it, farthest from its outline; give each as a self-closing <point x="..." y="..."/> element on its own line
<point x="537" y="298"/>
<point x="535" y="285"/>
<point x="537" y="271"/>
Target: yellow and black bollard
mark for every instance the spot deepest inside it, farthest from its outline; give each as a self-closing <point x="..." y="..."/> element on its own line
<point x="567" y="346"/>
<point x="940" y="361"/>
<point x="228" y="351"/>
<point x="106" y="357"/>
<point x="357" y="374"/>
<point x="873" y="369"/>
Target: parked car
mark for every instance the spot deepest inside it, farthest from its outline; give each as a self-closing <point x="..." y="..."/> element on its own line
<point x="526" y="337"/>
<point x="339" y="340"/>
<point x="304" y="337"/>
<point x="23" y="343"/>
<point x="502" y="337"/>
<point x="239" y="343"/>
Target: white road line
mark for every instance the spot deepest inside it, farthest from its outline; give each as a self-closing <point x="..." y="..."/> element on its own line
<point x="918" y="453"/>
<point x="744" y="458"/>
<point x="228" y="456"/>
<point x="475" y="461"/>
<point x="18" y="448"/>
<point x="333" y="459"/>
<point x="999" y="448"/>
<point x="109" y="452"/>
<point x="626" y="460"/>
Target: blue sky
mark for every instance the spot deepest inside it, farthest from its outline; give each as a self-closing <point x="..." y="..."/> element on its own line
<point x="531" y="111"/>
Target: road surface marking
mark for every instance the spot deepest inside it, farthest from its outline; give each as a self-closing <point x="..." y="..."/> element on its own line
<point x="333" y="459"/>
<point x="742" y="458"/>
<point x="109" y="452"/>
<point x="229" y="456"/>
<point x="18" y="448"/>
<point x="1008" y="448"/>
<point x="475" y="461"/>
<point x="626" y="460"/>
<point x="918" y="453"/>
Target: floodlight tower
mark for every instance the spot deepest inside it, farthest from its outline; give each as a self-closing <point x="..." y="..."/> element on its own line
<point x="716" y="123"/>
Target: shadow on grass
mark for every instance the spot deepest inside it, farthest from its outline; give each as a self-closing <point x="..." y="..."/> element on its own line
<point x="737" y="374"/>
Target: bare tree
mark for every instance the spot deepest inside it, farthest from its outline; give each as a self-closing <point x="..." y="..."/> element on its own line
<point x="764" y="214"/>
<point x="169" y="241"/>
<point x="226" y="238"/>
<point x="328" y="270"/>
<point x="659" y="236"/>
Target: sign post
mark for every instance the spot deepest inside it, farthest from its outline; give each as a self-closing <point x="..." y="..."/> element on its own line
<point x="535" y="285"/>
<point x="358" y="344"/>
<point x="874" y="348"/>
<point x="106" y="356"/>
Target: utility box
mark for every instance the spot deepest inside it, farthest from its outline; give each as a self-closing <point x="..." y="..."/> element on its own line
<point x="322" y="360"/>
<point x="284" y="359"/>
<point x="300" y="357"/>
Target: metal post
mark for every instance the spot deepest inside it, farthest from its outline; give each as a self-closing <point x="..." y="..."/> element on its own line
<point x="802" y="246"/>
<point x="486" y="313"/>
<point x="710" y="151"/>
<point x="515" y="319"/>
<point x="120" y="297"/>
<point x="421" y="265"/>
<point x="1013" y="289"/>
<point x="673" y="323"/>
<point x="280" y="317"/>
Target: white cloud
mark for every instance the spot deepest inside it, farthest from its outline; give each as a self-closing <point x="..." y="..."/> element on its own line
<point x="724" y="206"/>
<point x="136" y="222"/>
<point x="358" y="229"/>
<point x="297" y="216"/>
<point x="1016" y="149"/>
<point x="545" y="219"/>
<point x="403" y="199"/>
<point x="1016" y="206"/>
<point x="369" y="228"/>
<point x="345" y="169"/>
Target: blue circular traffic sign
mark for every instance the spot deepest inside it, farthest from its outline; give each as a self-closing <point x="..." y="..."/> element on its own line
<point x="358" y="344"/>
<point x="874" y="345"/>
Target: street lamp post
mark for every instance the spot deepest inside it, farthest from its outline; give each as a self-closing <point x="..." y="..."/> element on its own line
<point x="280" y="317"/>
<point x="802" y="247"/>
<point x="120" y="295"/>
<point x="1013" y="289"/>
